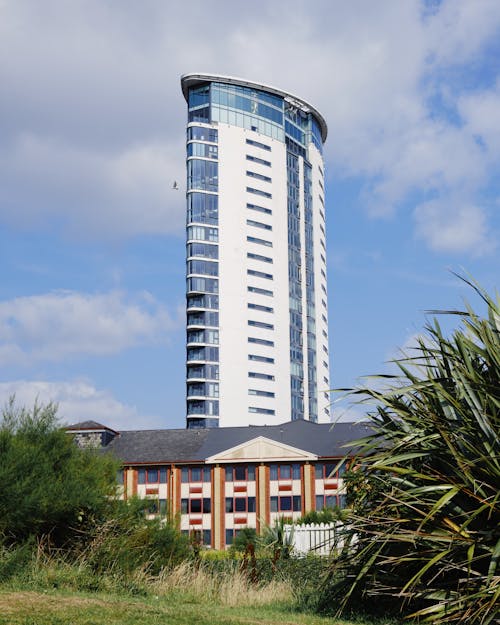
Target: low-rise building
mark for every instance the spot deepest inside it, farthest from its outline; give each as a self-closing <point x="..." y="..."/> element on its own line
<point x="223" y="479"/>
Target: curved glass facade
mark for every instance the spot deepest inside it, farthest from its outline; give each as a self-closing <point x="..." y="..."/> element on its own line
<point x="269" y="115"/>
<point x="202" y="270"/>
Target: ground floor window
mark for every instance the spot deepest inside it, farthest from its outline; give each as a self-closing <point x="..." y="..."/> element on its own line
<point x="330" y="501"/>
<point x="200" y="536"/>
<point x="231" y="535"/>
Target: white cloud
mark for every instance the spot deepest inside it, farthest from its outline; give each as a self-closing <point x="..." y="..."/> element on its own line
<point x="78" y="400"/>
<point x="458" y="30"/>
<point x="481" y="114"/>
<point x="453" y="227"/>
<point x="61" y="325"/>
<point x="111" y="195"/>
<point x="92" y="115"/>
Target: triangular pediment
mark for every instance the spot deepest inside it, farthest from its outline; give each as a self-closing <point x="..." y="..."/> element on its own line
<point x="261" y="449"/>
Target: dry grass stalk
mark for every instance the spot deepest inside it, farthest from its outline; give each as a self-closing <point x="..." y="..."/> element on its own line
<point x="231" y="589"/>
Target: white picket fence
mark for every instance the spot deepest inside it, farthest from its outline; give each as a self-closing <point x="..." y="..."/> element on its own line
<point x="319" y="538"/>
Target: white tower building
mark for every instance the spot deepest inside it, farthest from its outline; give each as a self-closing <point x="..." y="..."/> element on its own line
<point x="257" y="315"/>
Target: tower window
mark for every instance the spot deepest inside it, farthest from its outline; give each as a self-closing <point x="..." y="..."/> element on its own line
<point x="262" y="308"/>
<point x="258" y="291"/>
<point x="258" y="192"/>
<point x="257" y="358"/>
<point x="259" y="209"/>
<point x="257" y="176"/>
<point x="260" y="376"/>
<point x="256" y="410"/>
<point x="260" y="161"/>
<point x="259" y="241"/>
<point x="259" y="274"/>
<point x="257" y="144"/>
<point x="264" y="259"/>
<point x="258" y="224"/>
<point x="260" y="324"/>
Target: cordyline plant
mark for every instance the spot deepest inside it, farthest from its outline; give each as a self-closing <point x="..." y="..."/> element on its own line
<point x="425" y="488"/>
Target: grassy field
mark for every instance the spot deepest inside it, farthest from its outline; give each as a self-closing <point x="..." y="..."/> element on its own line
<point x="58" y="607"/>
<point x="51" y="590"/>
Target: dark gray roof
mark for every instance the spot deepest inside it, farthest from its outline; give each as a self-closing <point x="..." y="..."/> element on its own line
<point x="145" y="446"/>
<point x="162" y="446"/>
<point x="88" y="425"/>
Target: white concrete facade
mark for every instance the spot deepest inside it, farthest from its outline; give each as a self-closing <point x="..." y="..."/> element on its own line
<point x="249" y="151"/>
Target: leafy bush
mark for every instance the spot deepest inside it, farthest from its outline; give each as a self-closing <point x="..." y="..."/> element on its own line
<point x="128" y="541"/>
<point x="327" y="515"/>
<point x="49" y="485"/>
<point x="246" y="536"/>
<point x="425" y="527"/>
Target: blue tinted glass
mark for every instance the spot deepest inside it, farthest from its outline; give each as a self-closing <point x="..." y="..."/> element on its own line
<point x="240" y="473"/>
<point x="199" y="115"/>
<point x="330" y="501"/>
<point x="329" y="470"/>
<point x="285" y="472"/>
<point x="202" y="175"/>
<point x="285" y="504"/>
<point x="196" y="474"/>
<point x="195" y="505"/>
<point x="274" y="472"/>
<point x="202" y="134"/>
<point x="202" y="149"/>
<point x="198" y="96"/>
<point x="152" y="476"/>
<point x="141" y="476"/>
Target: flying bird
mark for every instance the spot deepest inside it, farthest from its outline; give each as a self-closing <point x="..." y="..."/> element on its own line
<point x="175" y="186"/>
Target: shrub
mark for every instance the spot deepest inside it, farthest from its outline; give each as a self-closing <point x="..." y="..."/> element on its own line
<point x="425" y="489"/>
<point x="245" y="537"/>
<point x="128" y="541"/>
<point x="49" y="485"/>
<point x="327" y="515"/>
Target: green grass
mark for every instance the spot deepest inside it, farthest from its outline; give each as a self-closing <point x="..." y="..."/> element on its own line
<point x="39" y="587"/>
<point x="58" y="607"/>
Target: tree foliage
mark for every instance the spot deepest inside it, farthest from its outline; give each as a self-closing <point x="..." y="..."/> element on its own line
<point x="425" y="535"/>
<point x="48" y="486"/>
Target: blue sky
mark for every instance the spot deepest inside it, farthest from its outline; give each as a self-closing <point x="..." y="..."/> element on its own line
<point x="92" y="137"/>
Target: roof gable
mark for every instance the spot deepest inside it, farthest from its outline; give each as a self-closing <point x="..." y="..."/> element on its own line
<point x="261" y="449"/>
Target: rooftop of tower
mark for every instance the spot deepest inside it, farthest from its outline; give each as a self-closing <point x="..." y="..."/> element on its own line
<point x="194" y="79"/>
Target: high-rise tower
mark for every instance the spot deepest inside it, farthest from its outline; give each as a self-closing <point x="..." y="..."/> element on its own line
<point x="257" y="315"/>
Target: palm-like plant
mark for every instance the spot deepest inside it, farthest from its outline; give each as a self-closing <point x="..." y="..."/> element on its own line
<point x="425" y="491"/>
